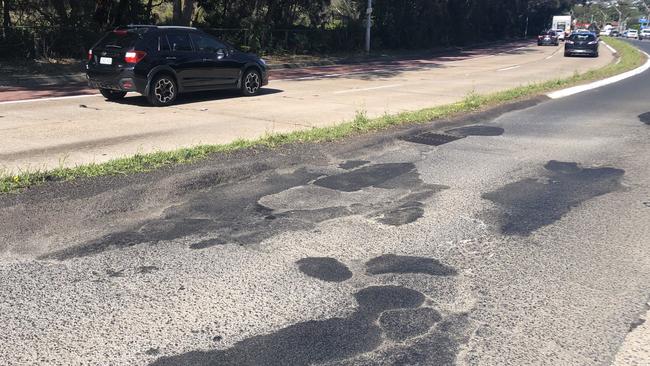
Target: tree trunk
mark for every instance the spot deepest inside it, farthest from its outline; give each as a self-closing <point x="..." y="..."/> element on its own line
<point x="188" y="11"/>
<point x="6" y="18"/>
<point x="149" y="9"/>
<point x="183" y="11"/>
<point x="178" y="11"/>
<point x="122" y="8"/>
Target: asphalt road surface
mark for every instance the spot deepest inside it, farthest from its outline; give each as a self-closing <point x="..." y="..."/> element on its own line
<point x="513" y="237"/>
<point x="50" y="133"/>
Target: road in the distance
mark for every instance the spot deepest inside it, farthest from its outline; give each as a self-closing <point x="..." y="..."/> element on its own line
<point x="48" y="134"/>
<point x="522" y="240"/>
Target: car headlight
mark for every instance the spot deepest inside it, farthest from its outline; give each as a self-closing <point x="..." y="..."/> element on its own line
<point x="263" y="62"/>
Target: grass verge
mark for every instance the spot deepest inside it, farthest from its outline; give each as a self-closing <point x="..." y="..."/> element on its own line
<point x="630" y="57"/>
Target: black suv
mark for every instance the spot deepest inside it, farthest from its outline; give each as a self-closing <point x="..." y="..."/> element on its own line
<point x="160" y="62"/>
<point x="581" y="44"/>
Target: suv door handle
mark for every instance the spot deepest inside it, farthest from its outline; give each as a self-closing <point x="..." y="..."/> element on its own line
<point x="207" y="59"/>
<point x="170" y="58"/>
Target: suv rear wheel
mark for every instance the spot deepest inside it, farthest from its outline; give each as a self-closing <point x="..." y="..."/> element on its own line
<point x="251" y="82"/>
<point x="163" y="91"/>
<point x="112" y="95"/>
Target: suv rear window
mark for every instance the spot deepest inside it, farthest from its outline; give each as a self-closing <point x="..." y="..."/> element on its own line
<point x="583" y="37"/>
<point x="119" y="39"/>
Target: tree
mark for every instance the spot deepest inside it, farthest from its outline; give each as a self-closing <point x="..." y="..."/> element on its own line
<point x="183" y="11"/>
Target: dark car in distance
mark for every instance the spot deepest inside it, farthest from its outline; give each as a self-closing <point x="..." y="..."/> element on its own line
<point x="160" y="62"/>
<point x="548" y="38"/>
<point x="581" y="44"/>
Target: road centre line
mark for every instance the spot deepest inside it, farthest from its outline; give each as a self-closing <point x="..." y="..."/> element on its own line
<point x="367" y="89"/>
<point x="510" y="68"/>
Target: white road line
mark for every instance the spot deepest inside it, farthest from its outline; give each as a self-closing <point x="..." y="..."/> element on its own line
<point x="615" y="79"/>
<point x="550" y="57"/>
<point x="48" y="99"/>
<point x="510" y="68"/>
<point x="367" y="89"/>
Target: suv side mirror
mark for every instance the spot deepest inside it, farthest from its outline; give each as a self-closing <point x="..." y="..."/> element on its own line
<point x="221" y="53"/>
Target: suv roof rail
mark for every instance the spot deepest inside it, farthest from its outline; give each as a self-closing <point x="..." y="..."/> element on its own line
<point x="175" y="27"/>
<point x="158" y="26"/>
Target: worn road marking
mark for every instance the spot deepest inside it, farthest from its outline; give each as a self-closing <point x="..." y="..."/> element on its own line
<point x="367" y="89"/>
<point x="510" y="68"/>
<point x="48" y="99"/>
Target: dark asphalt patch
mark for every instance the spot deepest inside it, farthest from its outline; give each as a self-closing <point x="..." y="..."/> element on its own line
<point x="370" y="176"/>
<point x="432" y="139"/>
<point x="636" y="324"/>
<point x="392" y="312"/>
<point x="402" y="215"/>
<point x="377" y="299"/>
<point x="312" y="342"/>
<point x="325" y="269"/>
<point x="401" y="325"/>
<point x="477" y="130"/>
<point x="645" y="118"/>
<point x="531" y="203"/>
<point x="232" y="214"/>
<point x="352" y="164"/>
<point x="390" y="263"/>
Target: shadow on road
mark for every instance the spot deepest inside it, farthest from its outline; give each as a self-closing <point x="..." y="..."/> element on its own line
<point x="196" y="97"/>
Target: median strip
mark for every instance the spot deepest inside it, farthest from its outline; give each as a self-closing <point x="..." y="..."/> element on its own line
<point x="631" y="58"/>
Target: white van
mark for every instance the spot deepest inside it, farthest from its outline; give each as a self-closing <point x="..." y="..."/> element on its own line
<point x="645" y="34"/>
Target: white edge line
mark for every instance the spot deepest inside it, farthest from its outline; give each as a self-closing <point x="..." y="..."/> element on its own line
<point x="598" y="84"/>
<point x="47" y="99"/>
<point x="367" y="89"/>
<point x="610" y="47"/>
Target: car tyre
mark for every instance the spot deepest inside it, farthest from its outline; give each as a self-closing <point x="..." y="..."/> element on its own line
<point x="112" y="95"/>
<point x="251" y="83"/>
<point x="163" y="91"/>
<point x="566" y="54"/>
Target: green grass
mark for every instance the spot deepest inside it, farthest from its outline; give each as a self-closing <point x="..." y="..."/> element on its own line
<point x="9" y="183"/>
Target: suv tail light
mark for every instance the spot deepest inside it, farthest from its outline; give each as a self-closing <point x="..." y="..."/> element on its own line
<point x="90" y="55"/>
<point x="133" y="57"/>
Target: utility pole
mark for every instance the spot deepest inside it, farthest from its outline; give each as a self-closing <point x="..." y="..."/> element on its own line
<point x="368" y="25"/>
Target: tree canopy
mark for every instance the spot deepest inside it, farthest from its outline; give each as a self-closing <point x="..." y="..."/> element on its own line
<point x="290" y="25"/>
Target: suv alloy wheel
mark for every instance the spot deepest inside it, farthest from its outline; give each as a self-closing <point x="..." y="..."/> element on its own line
<point x="163" y="90"/>
<point x="251" y="83"/>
